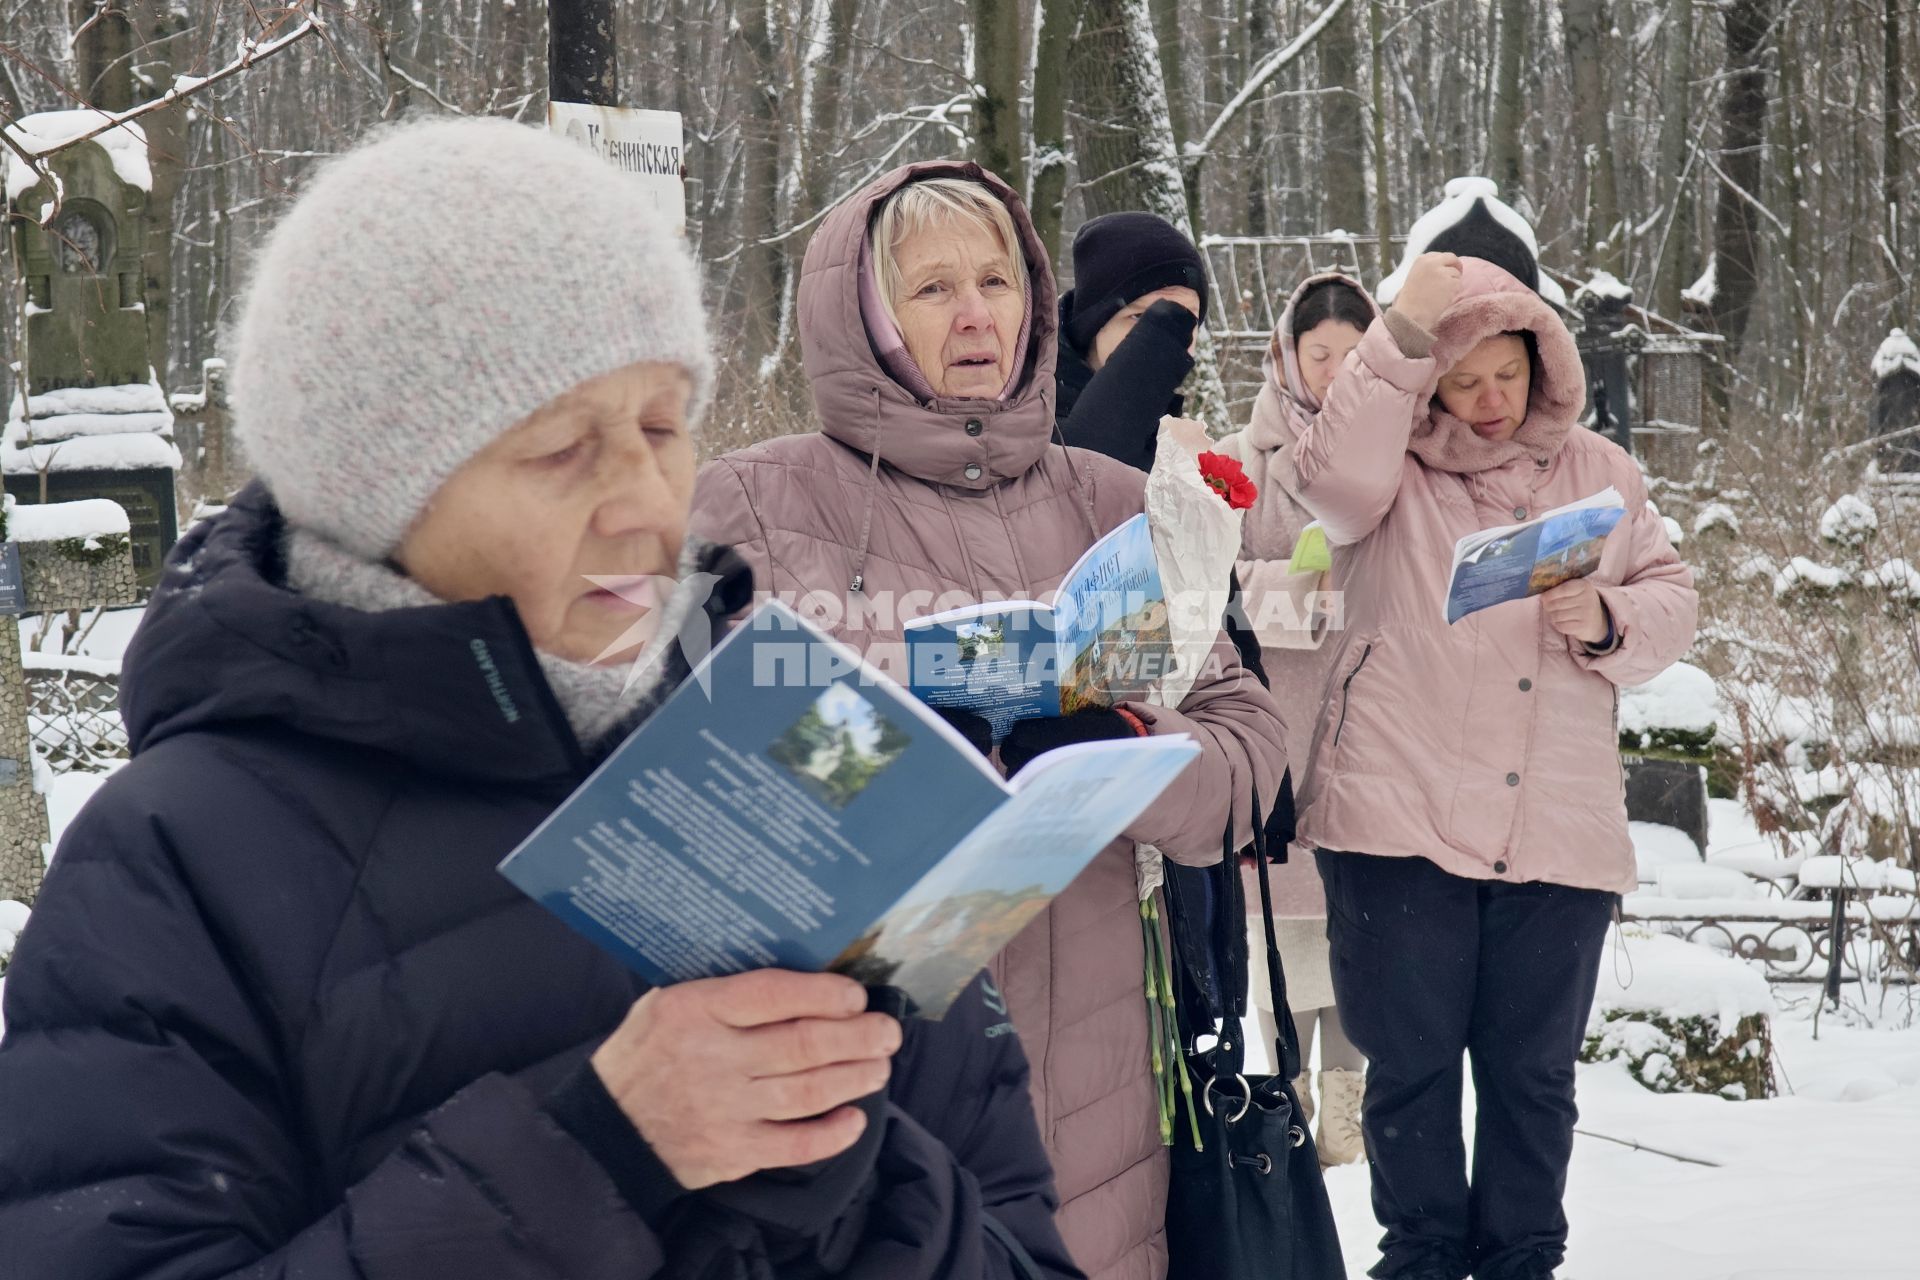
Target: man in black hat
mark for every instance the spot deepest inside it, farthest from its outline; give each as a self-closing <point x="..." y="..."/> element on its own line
<point x="1126" y="333"/>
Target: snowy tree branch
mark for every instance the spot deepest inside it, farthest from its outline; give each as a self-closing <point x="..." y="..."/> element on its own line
<point x="1275" y="63"/>
<point x="1744" y="194"/>
<point x="935" y="115"/>
<point x="184" y="87"/>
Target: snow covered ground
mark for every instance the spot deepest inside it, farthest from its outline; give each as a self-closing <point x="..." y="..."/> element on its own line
<point x="1812" y="1185"/>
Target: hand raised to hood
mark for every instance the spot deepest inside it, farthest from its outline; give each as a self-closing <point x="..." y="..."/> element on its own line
<point x="1433" y="282"/>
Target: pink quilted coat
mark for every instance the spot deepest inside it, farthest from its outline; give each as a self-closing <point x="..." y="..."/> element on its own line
<point x="1294" y="647"/>
<point x="1488" y="746"/>
<point x="968" y="499"/>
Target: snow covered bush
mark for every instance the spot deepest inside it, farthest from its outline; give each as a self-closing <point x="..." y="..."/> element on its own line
<point x="13" y="918"/>
<point x="1674" y="714"/>
<point x="1810" y="631"/>
<point x="1684" y="1018"/>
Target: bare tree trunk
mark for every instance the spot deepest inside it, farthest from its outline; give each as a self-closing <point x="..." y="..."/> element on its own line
<point x="762" y="264"/>
<point x="1382" y="186"/>
<point x="9" y="95"/>
<point x="1743" y="119"/>
<point x="583" y="51"/>
<point x="1048" y="169"/>
<point x="1343" y="133"/>
<point x="1677" y="259"/>
<point x="388" y="27"/>
<point x="1790" y="152"/>
<point x="829" y="97"/>
<point x="1893" y="169"/>
<point x="1586" y="24"/>
<point x="1505" y="159"/>
<point x="160" y="27"/>
<point x="1259" y="43"/>
<point x="1129" y="157"/>
<point x="1173" y="66"/>
<point x="997" y="140"/>
<point x="103" y="54"/>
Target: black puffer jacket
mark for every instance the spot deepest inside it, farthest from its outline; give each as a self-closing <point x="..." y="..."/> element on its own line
<point x="276" y="1014"/>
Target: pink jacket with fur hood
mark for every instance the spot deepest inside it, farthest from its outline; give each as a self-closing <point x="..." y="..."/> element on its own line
<point x="1294" y="643"/>
<point x="937" y="502"/>
<point x="1489" y="746"/>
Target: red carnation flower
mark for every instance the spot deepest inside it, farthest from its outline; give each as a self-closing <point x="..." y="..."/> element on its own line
<point x="1226" y="478"/>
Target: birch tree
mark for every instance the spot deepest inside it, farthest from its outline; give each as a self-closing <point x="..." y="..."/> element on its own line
<point x="1585" y="24"/>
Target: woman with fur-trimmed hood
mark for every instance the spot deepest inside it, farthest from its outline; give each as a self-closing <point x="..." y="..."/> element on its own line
<point x="1464" y="790"/>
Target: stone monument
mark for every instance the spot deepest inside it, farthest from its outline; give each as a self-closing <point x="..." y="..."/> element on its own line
<point x="88" y="419"/>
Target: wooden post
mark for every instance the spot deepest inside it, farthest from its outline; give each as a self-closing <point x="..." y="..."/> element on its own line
<point x="582" y="62"/>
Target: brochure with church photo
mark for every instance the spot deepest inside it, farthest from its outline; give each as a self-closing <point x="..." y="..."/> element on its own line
<point x="1515" y="561"/>
<point x="1104" y="639"/>
<point x="790" y="806"/>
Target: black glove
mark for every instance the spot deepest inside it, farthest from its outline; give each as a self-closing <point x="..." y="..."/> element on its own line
<point x="1118" y="413"/>
<point x="974" y="728"/>
<point x="1171" y="319"/>
<point x="1280" y="820"/>
<point x="1029" y="738"/>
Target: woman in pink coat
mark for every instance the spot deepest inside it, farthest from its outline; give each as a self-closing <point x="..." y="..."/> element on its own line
<point x="1464" y="790"/>
<point x="927" y="316"/>
<point x="1291" y="614"/>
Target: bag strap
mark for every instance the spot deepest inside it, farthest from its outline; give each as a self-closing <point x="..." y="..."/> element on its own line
<point x="1286" y="1046"/>
<point x="1228" y="1057"/>
<point x="1023" y="1263"/>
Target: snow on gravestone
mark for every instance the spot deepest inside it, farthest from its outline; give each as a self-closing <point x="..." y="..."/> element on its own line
<point x="1683" y="1017"/>
<point x="1462" y="195"/>
<point x="1666" y="736"/>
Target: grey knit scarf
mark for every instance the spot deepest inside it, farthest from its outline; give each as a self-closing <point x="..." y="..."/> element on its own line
<point x="597" y="699"/>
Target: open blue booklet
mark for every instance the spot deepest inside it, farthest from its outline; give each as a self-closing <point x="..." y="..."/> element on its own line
<point x="792" y="807"/>
<point x="1104" y="639"/>
<point x="1514" y="561"/>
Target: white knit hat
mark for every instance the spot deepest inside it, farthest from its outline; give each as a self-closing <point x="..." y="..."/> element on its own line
<point x="427" y="291"/>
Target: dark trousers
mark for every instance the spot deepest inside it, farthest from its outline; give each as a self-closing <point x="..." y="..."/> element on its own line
<point x="1428" y="967"/>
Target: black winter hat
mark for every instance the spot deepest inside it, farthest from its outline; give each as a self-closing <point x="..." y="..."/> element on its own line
<point x="1479" y="234"/>
<point x="1117" y="257"/>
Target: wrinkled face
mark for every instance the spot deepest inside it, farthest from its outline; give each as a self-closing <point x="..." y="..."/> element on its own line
<point x="960" y="306"/>
<point x="1321" y="351"/>
<point x="1488" y="389"/>
<point x="596" y="482"/>
<point x="1114" y="331"/>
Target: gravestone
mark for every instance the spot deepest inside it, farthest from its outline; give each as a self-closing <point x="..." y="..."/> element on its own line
<point x="68" y="556"/>
<point x="212" y="468"/>
<point x="1670" y="792"/>
<point x="88" y="419"/>
<point x="1896" y="403"/>
<point x="1606" y="339"/>
<point x="1666" y="728"/>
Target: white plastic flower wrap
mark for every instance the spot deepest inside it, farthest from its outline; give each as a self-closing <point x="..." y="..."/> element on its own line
<point x="1196" y="539"/>
<point x="1194" y="501"/>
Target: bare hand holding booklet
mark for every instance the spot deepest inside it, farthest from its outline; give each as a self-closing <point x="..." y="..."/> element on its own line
<point x="1514" y="561"/>
<point x="791" y="807"/>
<point x="1103" y="640"/>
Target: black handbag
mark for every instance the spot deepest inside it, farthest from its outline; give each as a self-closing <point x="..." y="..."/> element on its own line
<point x="1251" y="1203"/>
